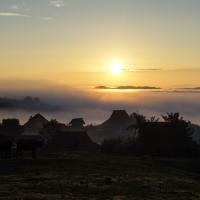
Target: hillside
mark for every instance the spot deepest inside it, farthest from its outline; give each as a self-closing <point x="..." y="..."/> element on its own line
<point x="82" y="176"/>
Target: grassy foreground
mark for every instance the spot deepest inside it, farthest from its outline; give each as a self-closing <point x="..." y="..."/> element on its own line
<point x="97" y="176"/>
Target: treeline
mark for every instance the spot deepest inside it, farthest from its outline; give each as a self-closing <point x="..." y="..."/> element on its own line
<point x="170" y="137"/>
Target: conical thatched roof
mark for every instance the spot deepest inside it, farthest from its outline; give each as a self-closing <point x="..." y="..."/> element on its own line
<point x="35" y="124"/>
<point x="115" y="126"/>
<point x="118" y="117"/>
<point x="77" y="122"/>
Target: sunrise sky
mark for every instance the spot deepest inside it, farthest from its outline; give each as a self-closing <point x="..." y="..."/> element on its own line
<point x="63" y="45"/>
<point x="48" y="39"/>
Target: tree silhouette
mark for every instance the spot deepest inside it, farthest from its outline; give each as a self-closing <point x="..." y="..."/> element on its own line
<point x="11" y="128"/>
<point x="138" y="117"/>
<point x="173" y="117"/>
<point x="154" y="119"/>
<point x="169" y="138"/>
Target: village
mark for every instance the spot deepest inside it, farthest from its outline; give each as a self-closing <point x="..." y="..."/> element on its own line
<point x="120" y="134"/>
<point x="125" y="157"/>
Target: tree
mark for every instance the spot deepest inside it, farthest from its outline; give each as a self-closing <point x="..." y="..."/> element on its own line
<point x="141" y="119"/>
<point x="138" y="117"/>
<point x="153" y="119"/>
<point x="173" y="117"/>
<point x="11" y="128"/>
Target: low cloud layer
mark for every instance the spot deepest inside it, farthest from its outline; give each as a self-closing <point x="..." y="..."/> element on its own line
<point x="28" y="103"/>
<point x="96" y="105"/>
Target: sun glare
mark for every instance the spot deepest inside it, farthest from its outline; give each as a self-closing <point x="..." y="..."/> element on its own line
<point x="115" y="68"/>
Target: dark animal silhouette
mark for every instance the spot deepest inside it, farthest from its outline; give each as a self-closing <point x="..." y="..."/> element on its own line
<point x="29" y="143"/>
<point x="5" y="147"/>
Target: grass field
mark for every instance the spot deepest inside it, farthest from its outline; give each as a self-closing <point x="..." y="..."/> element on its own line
<point x="97" y="176"/>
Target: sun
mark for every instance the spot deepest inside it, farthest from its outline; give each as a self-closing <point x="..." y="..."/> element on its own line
<point x="115" y="68"/>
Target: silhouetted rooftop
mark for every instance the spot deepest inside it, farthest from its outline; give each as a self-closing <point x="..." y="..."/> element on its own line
<point x="35" y="122"/>
<point x="119" y="116"/>
<point x="77" y="121"/>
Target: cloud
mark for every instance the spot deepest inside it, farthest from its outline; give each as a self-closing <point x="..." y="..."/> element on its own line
<point x="46" y="18"/>
<point x="65" y="103"/>
<point x="13" y="14"/>
<point x="14" y="7"/>
<point x="186" y="91"/>
<point x="147" y="69"/>
<point x="57" y="3"/>
<point x="133" y="69"/>
<point x="127" y="88"/>
<point x="192" y="88"/>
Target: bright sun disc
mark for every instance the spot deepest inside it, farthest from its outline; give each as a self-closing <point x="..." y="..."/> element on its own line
<point x="115" y="68"/>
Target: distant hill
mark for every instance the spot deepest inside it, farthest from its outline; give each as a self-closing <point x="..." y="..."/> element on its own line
<point x="115" y="126"/>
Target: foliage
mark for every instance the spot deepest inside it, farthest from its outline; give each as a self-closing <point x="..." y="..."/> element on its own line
<point x="153" y="119"/>
<point x="173" y="137"/>
<point x="11" y="128"/>
<point x="138" y="117"/>
<point x="173" y="117"/>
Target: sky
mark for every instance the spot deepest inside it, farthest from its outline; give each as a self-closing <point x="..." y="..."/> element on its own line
<point x="45" y="37"/>
<point x="69" y="45"/>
